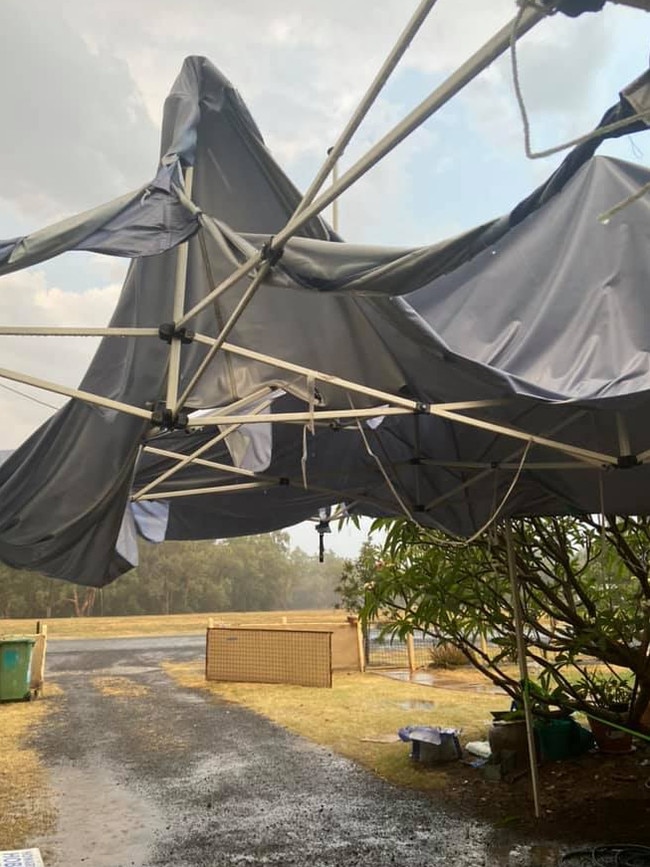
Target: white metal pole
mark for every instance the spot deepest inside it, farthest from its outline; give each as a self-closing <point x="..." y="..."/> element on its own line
<point x="347" y="384"/>
<point x="511" y="456"/>
<point x="479" y="61"/>
<point x="195" y="492"/>
<point x="272" y="481"/>
<point x="444" y="410"/>
<point x="47" y="331"/>
<point x="330" y="164"/>
<point x="335" y="203"/>
<point x="225" y="331"/>
<point x="84" y="396"/>
<point x="596" y="458"/>
<point x="329" y="379"/>
<point x="333" y="154"/>
<point x="174" y="367"/>
<point x="183" y="461"/>
<point x="301" y="417"/>
<point x="202" y="462"/>
<point x="196" y="454"/>
<point x="523" y="667"/>
<point x="502" y="465"/>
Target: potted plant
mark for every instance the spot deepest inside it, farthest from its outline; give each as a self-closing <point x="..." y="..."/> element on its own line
<point x="607" y="699"/>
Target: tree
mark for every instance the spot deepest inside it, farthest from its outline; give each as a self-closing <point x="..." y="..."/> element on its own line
<point x="358" y="575"/>
<point x="248" y="573"/>
<point x="314" y="584"/>
<point x="585" y="593"/>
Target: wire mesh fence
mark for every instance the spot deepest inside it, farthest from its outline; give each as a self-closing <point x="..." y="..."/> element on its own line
<point x="389" y="651"/>
<point x="269" y="656"/>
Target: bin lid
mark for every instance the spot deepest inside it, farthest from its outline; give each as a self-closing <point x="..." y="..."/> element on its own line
<point x="17" y="639"/>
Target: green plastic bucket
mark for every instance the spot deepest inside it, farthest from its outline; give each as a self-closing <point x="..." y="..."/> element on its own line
<point x="15" y="666"/>
<point x="559" y="739"/>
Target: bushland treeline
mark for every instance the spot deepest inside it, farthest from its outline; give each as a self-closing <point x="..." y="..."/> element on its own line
<point x="254" y="573"/>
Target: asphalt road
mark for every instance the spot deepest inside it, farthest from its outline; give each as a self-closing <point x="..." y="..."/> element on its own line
<point x="176" y="778"/>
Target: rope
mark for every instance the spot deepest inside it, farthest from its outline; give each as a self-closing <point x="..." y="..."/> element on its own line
<point x="28" y="396"/>
<point x="303" y="459"/>
<point x="505" y="499"/>
<point x="310" y="426"/>
<point x="377" y="460"/>
<point x="461" y="543"/>
<point x="536" y="155"/>
<point x="605" y="217"/>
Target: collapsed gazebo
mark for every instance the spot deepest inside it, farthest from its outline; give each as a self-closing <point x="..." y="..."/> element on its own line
<point x="258" y="369"/>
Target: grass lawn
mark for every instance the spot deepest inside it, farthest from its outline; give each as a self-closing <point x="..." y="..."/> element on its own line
<point x="360" y="713"/>
<point x="172" y="624"/>
<point x="25" y="809"/>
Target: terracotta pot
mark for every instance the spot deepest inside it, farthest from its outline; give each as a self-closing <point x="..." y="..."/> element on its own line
<point x="610" y="740"/>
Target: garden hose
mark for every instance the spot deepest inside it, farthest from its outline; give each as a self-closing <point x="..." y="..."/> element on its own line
<point x="619" y="855"/>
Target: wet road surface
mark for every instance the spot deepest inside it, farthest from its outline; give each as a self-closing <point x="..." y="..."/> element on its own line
<point x="176" y="778"/>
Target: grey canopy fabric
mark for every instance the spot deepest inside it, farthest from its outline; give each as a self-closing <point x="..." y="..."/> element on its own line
<point x="540" y="316"/>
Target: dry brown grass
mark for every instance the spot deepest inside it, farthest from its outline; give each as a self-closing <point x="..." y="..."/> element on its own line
<point x="25" y="806"/>
<point x="359" y="707"/>
<point x="120" y="687"/>
<point x="172" y="624"/>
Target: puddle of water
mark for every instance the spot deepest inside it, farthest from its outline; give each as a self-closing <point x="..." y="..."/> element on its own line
<point x="416" y="705"/>
<point x="100" y="822"/>
<point x="128" y="670"/>
<point x="189" y="698"/>
<point x="428" y="678"/>
<point x="525" y="856"/>
<point x="423" y="677"/>
<point x="113" y="670"/>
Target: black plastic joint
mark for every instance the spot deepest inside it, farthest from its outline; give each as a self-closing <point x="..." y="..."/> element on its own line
<point x="284" y="482"/>
<point x="168" y="332"/>
<point x="269" y="254"/>
<point x="625" y="462"/>
<point x="165" y="419"/>
<point x="162" y="418"/>
<point x="419" y="507"/>
<point x="185" y="335"/>
<point x="574" y="8"/>
<point x="422" y="408"/>
<point x="415" y="462"/>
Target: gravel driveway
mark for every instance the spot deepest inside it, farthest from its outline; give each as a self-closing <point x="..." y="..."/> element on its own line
<point x="176" y="778"/>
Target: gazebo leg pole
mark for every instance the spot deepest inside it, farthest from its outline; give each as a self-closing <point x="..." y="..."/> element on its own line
<point x="523" y="668"/>
<point x="174" y="364"/>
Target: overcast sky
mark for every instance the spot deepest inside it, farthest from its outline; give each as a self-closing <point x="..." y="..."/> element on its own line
<point x="82" y="86"/>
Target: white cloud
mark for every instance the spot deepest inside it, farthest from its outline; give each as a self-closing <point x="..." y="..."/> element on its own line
<point x="26" y="299"/>
<point x="562" y="70"/>
<point x="83" y="84"/>
<point x="75" y="132"/>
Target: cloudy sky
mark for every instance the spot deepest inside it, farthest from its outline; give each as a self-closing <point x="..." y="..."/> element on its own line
<point x="82" y="86"/>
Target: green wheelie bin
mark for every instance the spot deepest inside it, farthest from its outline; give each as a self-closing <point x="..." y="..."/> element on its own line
<point x="15" y="666"/>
